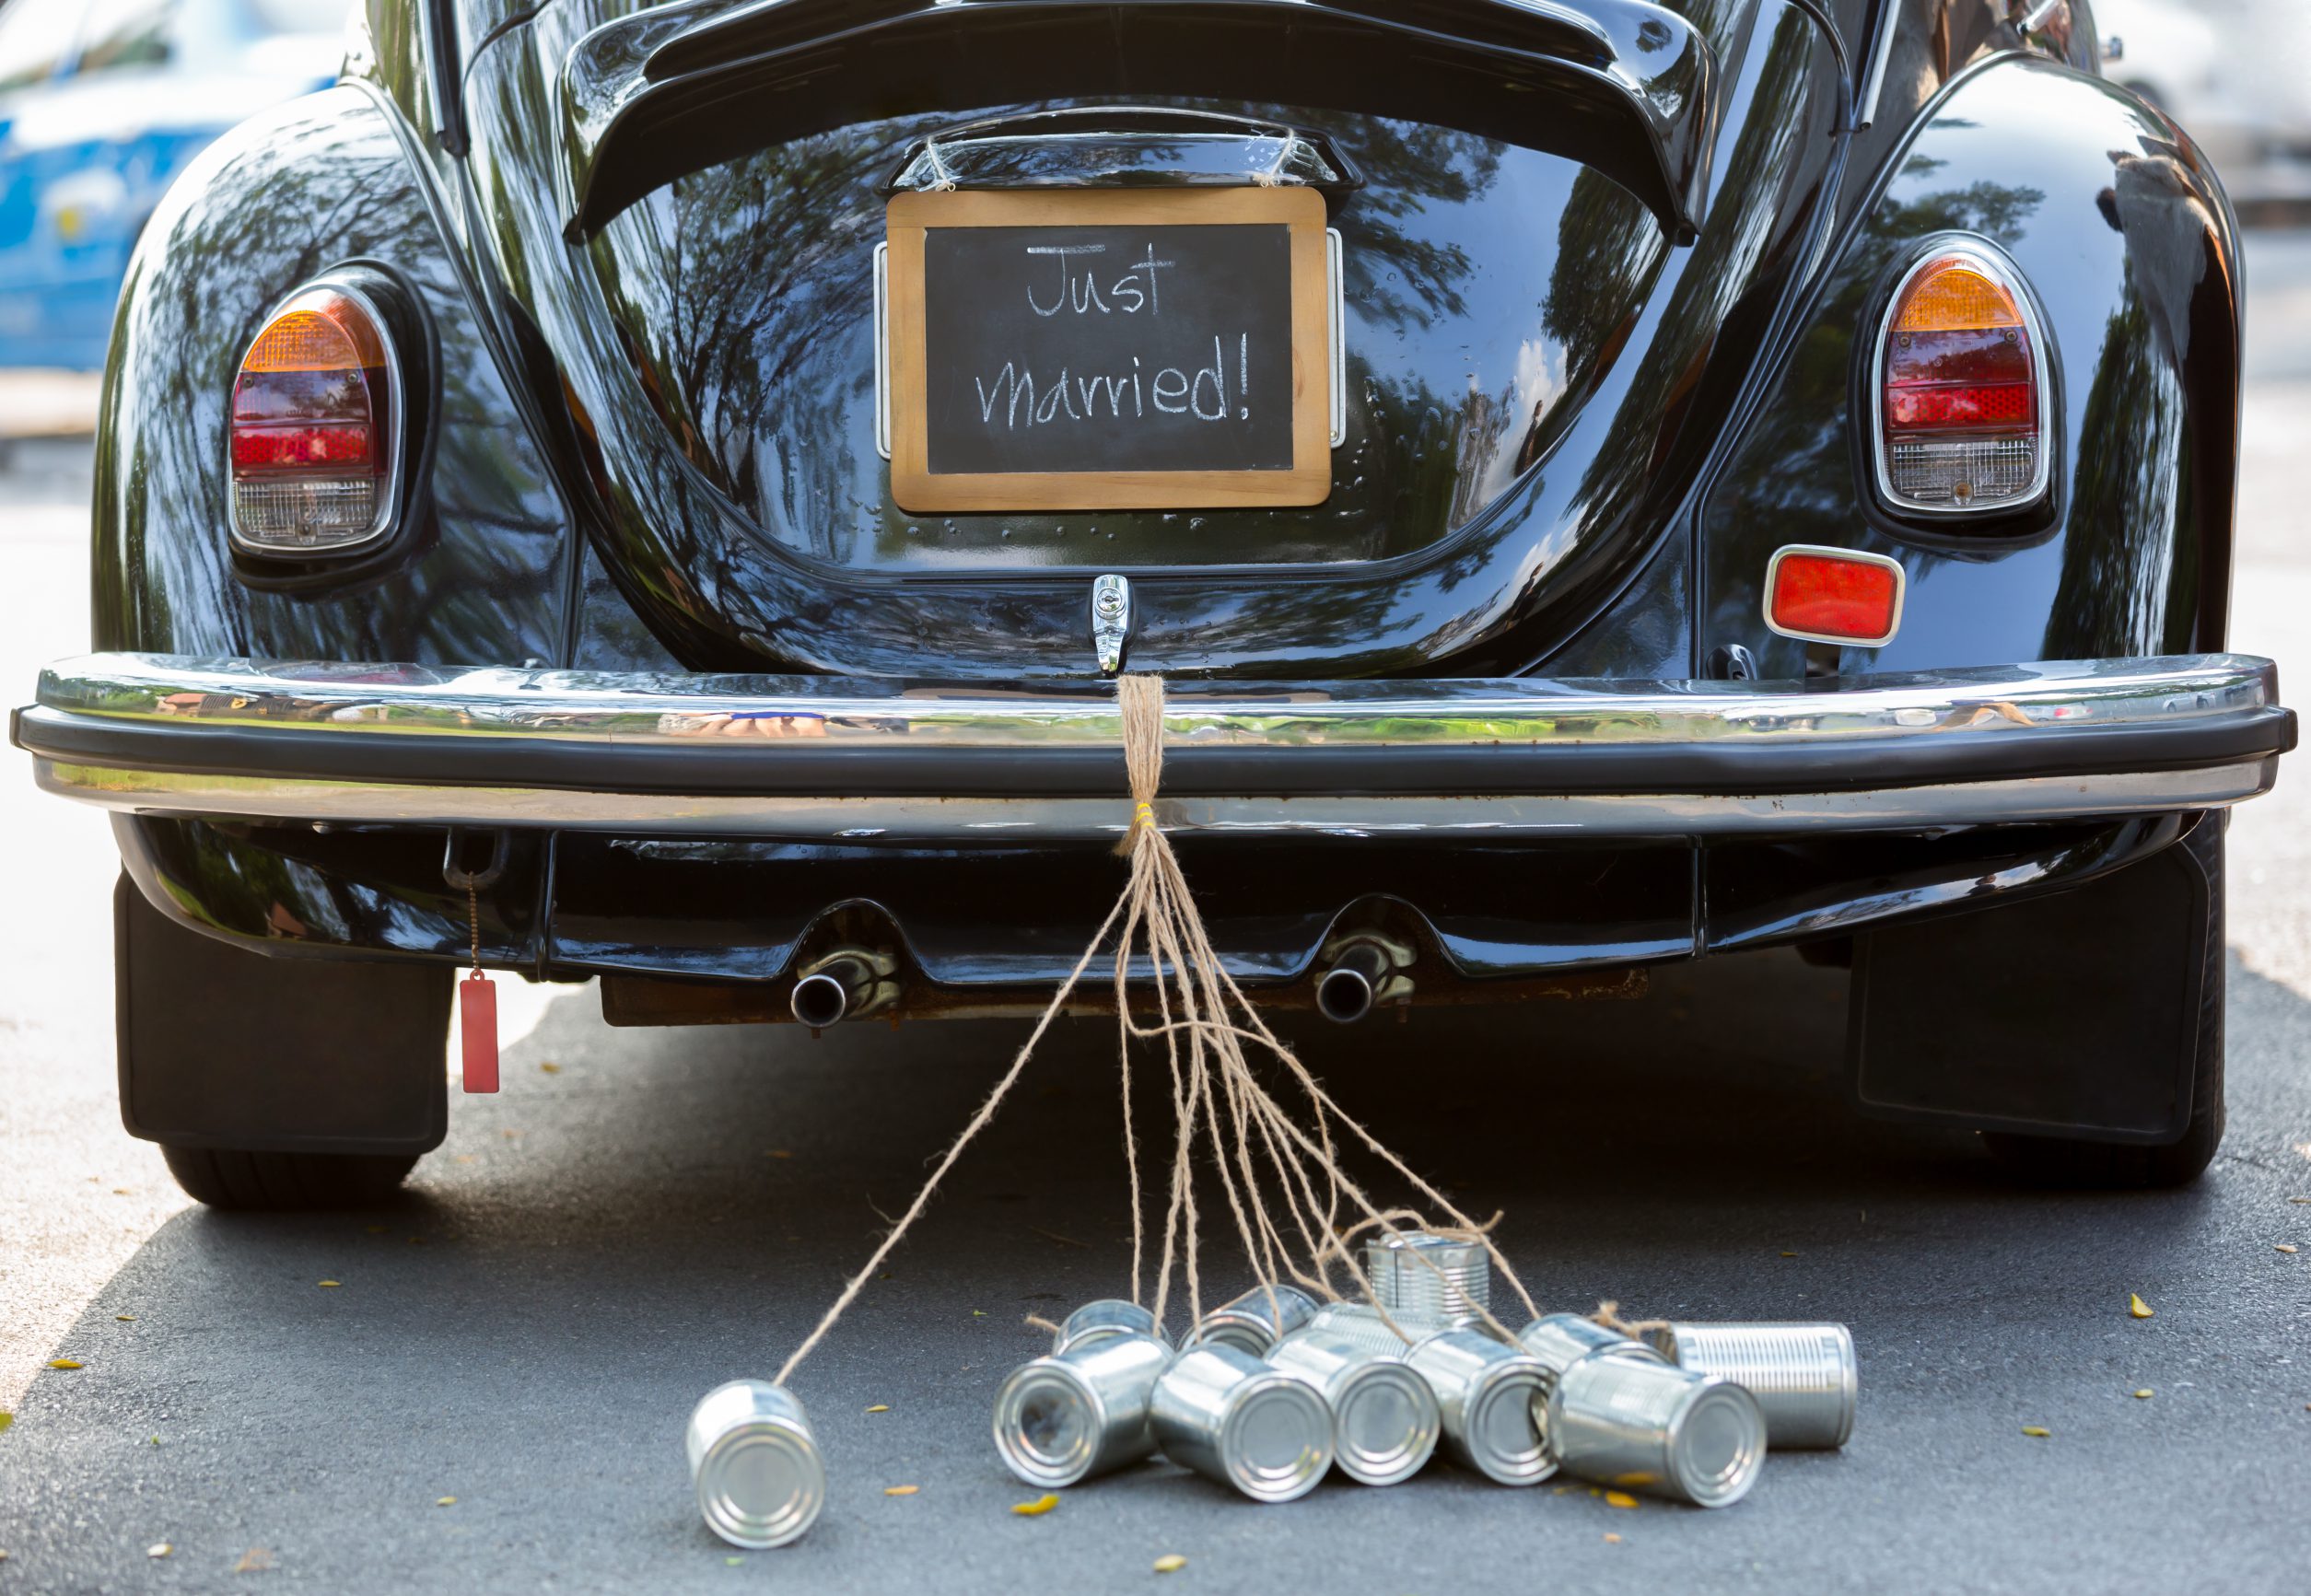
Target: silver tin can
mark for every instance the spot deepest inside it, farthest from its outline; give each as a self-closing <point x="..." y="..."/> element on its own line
<point x="1108" y="1316"/>
<point x="1649" y="1426"/>
<point x="761" y="1481"/>
<point x="1256" y="1320"/>
<point x="1804" y="1376"/>
<point x="1228" y="1415"/>
<point x="1066" y="1417"/>
<point x="1430" y="1275"/>
<point x="1493" y="1401"/>
<point x="1360" y="1325"/>
<point x="1561" y="1340"/>
<point x="1385" y="1419"/>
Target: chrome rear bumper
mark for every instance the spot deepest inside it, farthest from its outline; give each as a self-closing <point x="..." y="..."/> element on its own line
<point x="807" y="757"/>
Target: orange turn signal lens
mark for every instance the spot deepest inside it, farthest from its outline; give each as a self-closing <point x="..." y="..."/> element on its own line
<point x="1953" y="294"/>
<point x="1834" y="596"/>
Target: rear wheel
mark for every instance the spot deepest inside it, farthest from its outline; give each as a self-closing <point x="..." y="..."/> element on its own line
<point x="238" y="1177"/>
<point x="2054" y="1161"/>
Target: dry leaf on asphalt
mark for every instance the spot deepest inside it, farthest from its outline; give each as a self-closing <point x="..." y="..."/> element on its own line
<point x="1619" y="1499"/>
<point x="256" y="1560"/>
<point x="158" y="1549"/>
<point x="880" y="1407"/>
<point x="1036" y="1508"/>
<point x="125" y="1318"/>
<point x="2139" y="1308"/>
<point x="63" y="1363"/>
<point x="2282" y="1246"/>
<point x="2145" y="1392"/>
<point x="2038" y="1431"/>
<point x="1170" y="1563"/>
<point x="1613" y="1538"/>
<point x="900" y="1490"/>
<point x="328" y="1283"/>
<point x="6" y="1420"/>
<point x="550" y="1068"/>
<point x="445" y="1501"/>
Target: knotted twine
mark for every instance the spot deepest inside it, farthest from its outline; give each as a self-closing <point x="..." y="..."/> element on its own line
<point x="1268" y="1160"/>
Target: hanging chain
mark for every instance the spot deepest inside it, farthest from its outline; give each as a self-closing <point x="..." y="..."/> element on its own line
<point x="473" y="921"/>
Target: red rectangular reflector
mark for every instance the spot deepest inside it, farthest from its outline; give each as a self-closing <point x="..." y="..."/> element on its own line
<point x="1834" y="596"/>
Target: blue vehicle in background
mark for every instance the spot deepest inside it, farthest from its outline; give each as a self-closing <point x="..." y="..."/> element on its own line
<point x="102" y="103"/>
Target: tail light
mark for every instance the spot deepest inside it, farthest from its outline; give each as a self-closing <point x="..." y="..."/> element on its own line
<point x="316" y="426"/>
<point x="1834" y="596"/>
<point x="1961" y="400"/>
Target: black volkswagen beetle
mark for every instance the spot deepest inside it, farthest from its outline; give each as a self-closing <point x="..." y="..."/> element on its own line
<point x="658" y="492"/>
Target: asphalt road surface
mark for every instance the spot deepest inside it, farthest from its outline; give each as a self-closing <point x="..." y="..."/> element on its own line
<point x="643" y="1214"/>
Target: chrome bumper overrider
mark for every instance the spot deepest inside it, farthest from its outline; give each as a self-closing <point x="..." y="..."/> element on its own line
<point x="829" y="757"/>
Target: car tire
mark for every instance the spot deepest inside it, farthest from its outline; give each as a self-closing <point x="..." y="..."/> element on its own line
<point x="2114" y="1166"/>
<point x="239" y="1178"/>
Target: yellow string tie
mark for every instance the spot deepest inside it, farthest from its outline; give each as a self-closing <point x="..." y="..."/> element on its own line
<point x="1144" y="816"/>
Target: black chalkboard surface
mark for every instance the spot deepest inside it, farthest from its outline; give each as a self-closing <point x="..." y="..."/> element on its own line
<point x="1108" y="349"/>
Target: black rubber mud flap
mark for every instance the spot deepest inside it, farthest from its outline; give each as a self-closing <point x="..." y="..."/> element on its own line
<point x="220" y="1047"/>
<point x="2072" y="1015"/>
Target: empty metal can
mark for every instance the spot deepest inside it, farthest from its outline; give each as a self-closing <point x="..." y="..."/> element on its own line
<point x="1430" y="1275"/>
<point x="761" y="1481"/>
<point x="1065" y="1417"/>
<point x="1229" y="1416"/>
<point x="1561" y="1340"/>
<point x="1493" y="1401"/>
<point x="1360" y="1325"/>
<point x="1256" y="1320"/>
<point x="1649" y="1426"/>
<point x="1384" y="1420"/>
<point x="1804" y="1376"/>
<point x="1108" y="1316"/>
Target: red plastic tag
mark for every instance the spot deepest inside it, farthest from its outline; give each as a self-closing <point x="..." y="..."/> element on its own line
<point x="477" y="1021"/>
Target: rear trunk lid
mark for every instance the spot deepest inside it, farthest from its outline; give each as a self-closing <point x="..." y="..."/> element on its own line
<point x="1563" y="232"/>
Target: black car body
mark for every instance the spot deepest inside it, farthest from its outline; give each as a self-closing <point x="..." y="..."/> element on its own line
<point x="638" y="644"/>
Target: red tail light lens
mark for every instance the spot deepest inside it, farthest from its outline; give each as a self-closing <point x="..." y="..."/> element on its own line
<point x="1834" y="596"/>
<point x="315" y="426"/>
<point x="1961" y="400"/>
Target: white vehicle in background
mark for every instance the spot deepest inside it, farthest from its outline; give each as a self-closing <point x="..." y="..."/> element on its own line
<point x="2236" y="74"/>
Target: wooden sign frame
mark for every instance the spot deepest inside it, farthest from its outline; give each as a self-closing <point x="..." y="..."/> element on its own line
<point x="919" y="491"/>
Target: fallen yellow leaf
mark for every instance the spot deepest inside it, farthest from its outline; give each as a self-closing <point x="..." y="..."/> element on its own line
<point x="255" y="1560"/>
<point x="125" y="1318"/>
<point x="1036" y="1508"/>
<point x="1619" y="1499"/>
<point x="330" y="1282"/>
<point x="63" y="1363"/>
<point x="7" y="1419"/>
<point x="2282" y="1246"/>
<point x="900" y="1490"/>
<point x="1170" y="1563"/>
<point x="880" y="1407"/>
<point x="2299" y="1199"/>
<point x="549" y="1068"/>
<point x="2038" y="1430"/>
<point x="2139" y="1308"/>
<point x="1789" y="1254"/>
<point x="1614" y="1539"/>
<point x="2145" y="1392"/>
<point x="158" y="1549"/>
<point x="445" y="1501"/>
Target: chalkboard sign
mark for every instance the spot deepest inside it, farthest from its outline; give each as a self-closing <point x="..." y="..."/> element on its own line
<point x="1108" y="349"/>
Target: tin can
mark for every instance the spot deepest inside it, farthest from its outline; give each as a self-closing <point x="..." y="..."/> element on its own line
<point x="1360" y="1324"/>
<point x="761" y="1481"/>
<point x="1384" y="1420"/>
<point x="1493" y="1401"/>
<point x="1804" y="1376"/>
<point x="1229" y="1416"/>
<point x="1256" y="1320"/>
<point x="1065" y="1417"/>
<point x="1430" y="1275"/>
<point x="1651" y="1426"/>
<point x="1108" y="1316"/>
<point x="1561" y="1340"/>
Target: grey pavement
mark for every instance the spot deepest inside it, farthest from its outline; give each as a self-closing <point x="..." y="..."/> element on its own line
<point x="661" y="1211"/>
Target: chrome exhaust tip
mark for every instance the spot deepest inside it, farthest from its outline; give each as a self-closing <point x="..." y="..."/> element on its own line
<point x="1344" y="994"/>
<point x="820" y="1001"/>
